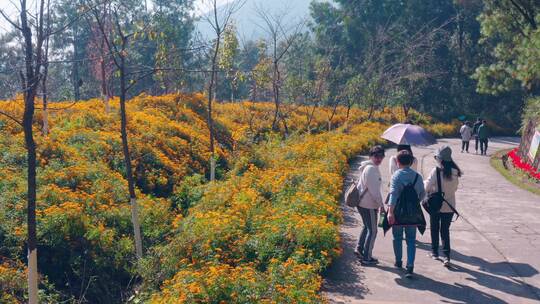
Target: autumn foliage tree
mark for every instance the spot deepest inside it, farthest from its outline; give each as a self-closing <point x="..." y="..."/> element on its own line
<point x="102" y="65"/>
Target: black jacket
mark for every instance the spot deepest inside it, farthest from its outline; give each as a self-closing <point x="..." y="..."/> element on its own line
<point x="475" y="127"/>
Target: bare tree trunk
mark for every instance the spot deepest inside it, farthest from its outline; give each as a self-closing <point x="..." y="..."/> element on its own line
<point x="30" y="89"/>
<point x="406" y="109"/>
<point x="104" y="91"/>
<point x="334" y="110"/>
<point x="310" y="117"/>
<point x="75" y="68"/>
<point x="275" y="87"/>
<point x="284" y="122"/>
<point x="210" y="120"/>
<point x="31" y="197"/>
<point x="254" y="91"/>
<point x="371" y="110"/>
<point x="45" y="129"/>
<point x="127" y="158"/>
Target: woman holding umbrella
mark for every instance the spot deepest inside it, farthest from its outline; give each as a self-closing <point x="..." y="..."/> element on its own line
<point x="406" y="135"/>
<point x="393" y="163"/>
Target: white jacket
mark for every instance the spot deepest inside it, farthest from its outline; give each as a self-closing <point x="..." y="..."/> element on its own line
<point x="393" y="165"/>
<point x="370" y="178"/>
<point x="466" y="133"/>
<point x="449" y="187"/>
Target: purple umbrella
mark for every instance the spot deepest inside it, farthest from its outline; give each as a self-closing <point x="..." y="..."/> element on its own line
<point x="407" y="134"/>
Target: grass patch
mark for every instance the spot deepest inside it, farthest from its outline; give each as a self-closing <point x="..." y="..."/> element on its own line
<point x="515" y="176"/>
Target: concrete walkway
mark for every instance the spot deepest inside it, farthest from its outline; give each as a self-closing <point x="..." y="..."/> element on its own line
<point x="495" y="244"/>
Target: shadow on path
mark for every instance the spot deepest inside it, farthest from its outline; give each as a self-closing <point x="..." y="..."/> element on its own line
<point x="452" y="292"/>
<point x="347" y="276"/>
<point x="501" y="276"/>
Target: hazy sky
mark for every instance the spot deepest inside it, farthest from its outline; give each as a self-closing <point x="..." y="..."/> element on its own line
<point x="8" y="7"/>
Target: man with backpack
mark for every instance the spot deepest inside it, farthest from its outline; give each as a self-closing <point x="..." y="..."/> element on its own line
<point x="404" y="212"/>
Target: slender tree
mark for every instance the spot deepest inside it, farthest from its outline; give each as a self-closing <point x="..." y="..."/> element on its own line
<point x="102" y="65"/>
<point x="281" y="37"/>
<point x="228" y="58"/>
<point x="118" y="41"/>
<point x="218" y="18"/>
<point x="30" y="79"/>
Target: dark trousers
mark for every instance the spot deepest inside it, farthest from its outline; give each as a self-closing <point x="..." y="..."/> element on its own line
<point x="440" y="223"/>
<point x="465" y="145"/>
<point x="366" y="241"/>
<point x="483" y="145"/>
<point x="476" y="141"/>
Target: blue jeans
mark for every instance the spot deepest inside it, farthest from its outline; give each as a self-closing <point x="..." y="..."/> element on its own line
<point x="410" y="238"/>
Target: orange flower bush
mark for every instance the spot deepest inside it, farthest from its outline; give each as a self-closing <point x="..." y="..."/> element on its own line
<point x="262" y="233"/>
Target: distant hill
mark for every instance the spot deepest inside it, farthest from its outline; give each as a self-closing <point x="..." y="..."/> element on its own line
<point x="246" y="18"/>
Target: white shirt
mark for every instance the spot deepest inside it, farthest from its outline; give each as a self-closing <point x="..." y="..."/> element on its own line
<point x="393" y="165"/>
<point x="466" y="133"/>
<point x="449" y="187"/>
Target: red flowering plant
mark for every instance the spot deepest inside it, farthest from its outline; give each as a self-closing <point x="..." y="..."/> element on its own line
<point x="522" y="165"/>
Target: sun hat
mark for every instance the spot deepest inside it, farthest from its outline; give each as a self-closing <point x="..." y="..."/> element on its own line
<point x="444" y="153"/>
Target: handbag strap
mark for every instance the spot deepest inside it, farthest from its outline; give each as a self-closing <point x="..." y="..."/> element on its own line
<point x="439" y="186"/>
<point x="439" y="190"/>
<point x="362" y="169"/>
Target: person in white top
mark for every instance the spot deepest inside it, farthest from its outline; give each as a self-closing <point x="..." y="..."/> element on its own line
<point x="440" y="222"/>
<point x="393" y="163"/>
<point x="466" y="132"/>
<point x="371" y="202"/>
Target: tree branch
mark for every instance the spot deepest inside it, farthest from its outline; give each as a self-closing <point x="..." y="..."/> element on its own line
<point x="13" y="118"/>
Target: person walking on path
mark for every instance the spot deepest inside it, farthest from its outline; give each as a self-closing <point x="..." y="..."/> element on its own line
<point x="369" y="204"/>
<point x="440" y="221"/>
<point x="476" y="125"/>
<point x="403" y="177"/>
<point x="483" y="134"/>
<point x="393" y="164"/>
<point x="466" y="134"/>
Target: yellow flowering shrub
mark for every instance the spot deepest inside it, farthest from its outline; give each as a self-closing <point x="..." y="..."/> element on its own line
<point x="12" y="282"/>
<point x="261" y="233"/>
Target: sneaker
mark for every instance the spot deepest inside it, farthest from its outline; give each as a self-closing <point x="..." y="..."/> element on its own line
<point x="358" y="254"/>
<point x="446" y="262"/>
<point x="434" y="256"/>
<point x="409" y="272"/>
<point x="398" y="264"/>
<point x="371" y="261"/>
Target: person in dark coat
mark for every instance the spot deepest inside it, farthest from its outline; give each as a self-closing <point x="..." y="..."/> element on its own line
<point x="476" y="125"/>
<point x="483" y="134"/>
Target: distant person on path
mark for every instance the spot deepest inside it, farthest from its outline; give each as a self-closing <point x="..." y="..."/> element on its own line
<point x="403" y="177"/>
<point x="449" y="174"/>
<point x="476" y="125"/>
<point x="466" y="134"/>
<point x="370" y="203"/>
<point x="483" y="134"/>
<point x="393" y="163"/>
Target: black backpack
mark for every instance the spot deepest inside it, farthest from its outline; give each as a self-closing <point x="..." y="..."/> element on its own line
<point x="407" y="210"/>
